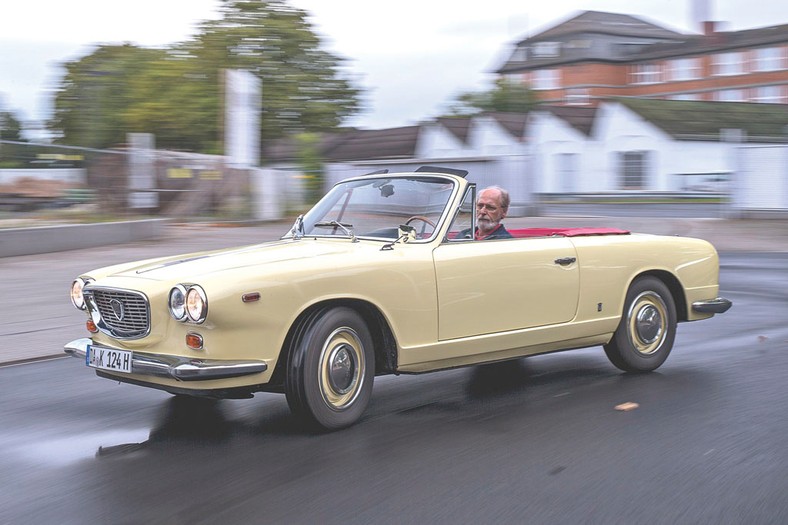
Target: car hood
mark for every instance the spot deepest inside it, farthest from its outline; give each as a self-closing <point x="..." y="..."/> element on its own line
<point x="198" y="264"/>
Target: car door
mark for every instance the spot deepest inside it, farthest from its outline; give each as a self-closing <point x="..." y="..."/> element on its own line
<point x="486" y="287"/>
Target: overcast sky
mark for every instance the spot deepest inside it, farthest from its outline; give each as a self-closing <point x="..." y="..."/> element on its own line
<point x="411" y="57"/>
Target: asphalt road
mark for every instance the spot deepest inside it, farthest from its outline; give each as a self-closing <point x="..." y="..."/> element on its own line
<point x="531" y="441"/>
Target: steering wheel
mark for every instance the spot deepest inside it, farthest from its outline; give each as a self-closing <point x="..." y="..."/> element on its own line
<point x="423" y="219"/>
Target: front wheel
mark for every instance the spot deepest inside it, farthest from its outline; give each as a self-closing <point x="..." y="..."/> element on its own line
<point x="331" y="368"/>
<point x="645" y="335"/>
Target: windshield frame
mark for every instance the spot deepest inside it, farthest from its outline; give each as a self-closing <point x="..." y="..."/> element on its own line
<point x="318" y="211"/>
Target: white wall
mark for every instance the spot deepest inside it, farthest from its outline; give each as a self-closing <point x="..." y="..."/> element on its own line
<point x="689" y="163"/>
<point x="761" y="182"/>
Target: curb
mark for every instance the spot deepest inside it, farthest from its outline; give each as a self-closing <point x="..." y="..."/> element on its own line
<point x="64" y="237"/>
<point x="29" y="360"/>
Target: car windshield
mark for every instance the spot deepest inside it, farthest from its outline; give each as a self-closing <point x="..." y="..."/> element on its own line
<point x="375" y="208"/>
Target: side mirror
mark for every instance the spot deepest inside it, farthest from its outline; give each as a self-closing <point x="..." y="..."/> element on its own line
<point x="406" y="232"/>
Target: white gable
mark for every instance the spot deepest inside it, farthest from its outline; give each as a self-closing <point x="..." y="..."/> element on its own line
<point x="436" y="141"/>
<point x="488" y="137"/>
<point x="559" y="152"/>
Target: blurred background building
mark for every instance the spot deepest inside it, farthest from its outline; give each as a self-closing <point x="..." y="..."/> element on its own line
<point x="600" y="106"/>
<point x="597" y="55"/>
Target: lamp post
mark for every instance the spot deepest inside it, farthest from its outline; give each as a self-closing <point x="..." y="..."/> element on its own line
<point x="2" y="128"/>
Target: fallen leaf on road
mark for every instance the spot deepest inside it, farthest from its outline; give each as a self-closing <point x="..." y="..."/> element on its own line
<point x="762" y="338"/>
<point x="626" y="407"/>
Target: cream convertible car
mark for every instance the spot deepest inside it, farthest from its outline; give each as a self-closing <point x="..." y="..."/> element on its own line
<point x="375" y="280"/>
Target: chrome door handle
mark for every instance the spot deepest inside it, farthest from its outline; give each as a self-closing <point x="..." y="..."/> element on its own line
<point x="565" y="261"/>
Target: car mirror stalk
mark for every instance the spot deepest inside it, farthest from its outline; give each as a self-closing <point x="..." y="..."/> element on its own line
<point x="405" y="233"/>
<point x="297" y="231"/>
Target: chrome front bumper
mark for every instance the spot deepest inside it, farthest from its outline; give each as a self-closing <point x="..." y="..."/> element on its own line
<point x="712" y="306"/>
<point x="174" y="367"/>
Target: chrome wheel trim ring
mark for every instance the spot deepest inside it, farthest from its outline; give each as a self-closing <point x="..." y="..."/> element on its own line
<point x="647" y="323"/>
<point x="341" y="369"/>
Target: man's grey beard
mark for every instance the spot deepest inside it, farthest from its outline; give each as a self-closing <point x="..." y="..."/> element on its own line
<point x="487" y="225"/>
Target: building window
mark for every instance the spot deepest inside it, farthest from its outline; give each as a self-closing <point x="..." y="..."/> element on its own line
<point x="769" y="95"/>
<point x="730" y="95"/>
<point x="579" y="44"/>
<point x="545" y="79"/>
<point x="577" y="97"/>
<point x="685" y="96"/>
<point x="520" y="54"/>
<point x="546" y="49"/>
<point x="727" y="64"/>
<point x="645" y="74"/>
<point x="684" y="69"/>
<point x="768" y="59"/>
<point x="632" y="169"/>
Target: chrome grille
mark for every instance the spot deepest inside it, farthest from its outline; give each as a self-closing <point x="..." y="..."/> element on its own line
<point x="123" y="314"/>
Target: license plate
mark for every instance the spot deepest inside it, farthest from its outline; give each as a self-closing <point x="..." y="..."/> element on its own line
<point x="109" y="359"/>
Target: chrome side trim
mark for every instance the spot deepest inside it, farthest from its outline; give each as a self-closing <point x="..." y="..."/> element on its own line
<point x="175" y="367"/>
<point x="712" y="306"/>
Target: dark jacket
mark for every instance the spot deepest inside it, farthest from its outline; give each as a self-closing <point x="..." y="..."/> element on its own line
<point x="498" y="233"/>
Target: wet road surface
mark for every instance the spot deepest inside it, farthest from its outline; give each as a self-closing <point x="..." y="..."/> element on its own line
<point x="531" y="441"/>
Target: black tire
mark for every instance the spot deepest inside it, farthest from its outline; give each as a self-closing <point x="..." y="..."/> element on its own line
<point x="645" y="335"/>
<point x="330" y="369"/>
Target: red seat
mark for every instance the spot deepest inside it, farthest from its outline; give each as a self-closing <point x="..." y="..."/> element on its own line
<point x="565" y="232"/>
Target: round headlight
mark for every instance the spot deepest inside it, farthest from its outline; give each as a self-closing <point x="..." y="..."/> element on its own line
<point x="77" y="298"/>
<point x="196" y="304"/>
<point x="177" y="303"/>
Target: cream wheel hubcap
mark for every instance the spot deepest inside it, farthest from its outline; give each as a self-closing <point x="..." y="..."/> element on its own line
<point x="647" y="322"/>
<point x="342" y="368"/>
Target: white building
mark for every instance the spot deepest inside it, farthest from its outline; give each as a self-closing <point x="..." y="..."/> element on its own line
<point x="622" y="147"/>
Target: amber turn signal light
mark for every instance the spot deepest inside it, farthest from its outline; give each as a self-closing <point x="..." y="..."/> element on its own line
<point x="91" y="326"/>
<point x="194" y="341"/>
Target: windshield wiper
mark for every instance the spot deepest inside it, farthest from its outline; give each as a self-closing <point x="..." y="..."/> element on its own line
<point x="336" y="224"/>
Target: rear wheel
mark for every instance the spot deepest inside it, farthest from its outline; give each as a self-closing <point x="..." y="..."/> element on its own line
<point x="645" y="335"/>
<point x="331" y="369"/>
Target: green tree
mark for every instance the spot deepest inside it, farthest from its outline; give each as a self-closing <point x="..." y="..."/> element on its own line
<point x="177" y="102"/>
<point x="96" y="92"/>
<point x="505" y="96"/>
<point x="176" y="92"/>
<point x="312" y="164"/>
<point x="303" y="88"/>
<point x="11" y="155"/>
<point x="10" y="127"/>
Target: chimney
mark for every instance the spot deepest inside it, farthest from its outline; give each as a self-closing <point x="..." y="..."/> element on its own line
<point x="709" y="28"/>
<point x="700" y="12"/>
